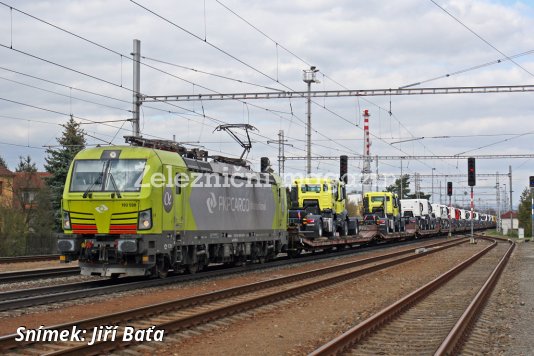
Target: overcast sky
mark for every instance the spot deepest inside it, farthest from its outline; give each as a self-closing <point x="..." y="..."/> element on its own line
<point x="47" y="74"/>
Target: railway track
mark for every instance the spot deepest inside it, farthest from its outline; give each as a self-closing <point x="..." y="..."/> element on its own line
<point x="35" y="258"/>
<point x="29" y="297"/>
<point x="23" y="275"/>
<point x="188" y="313"/>
<point x="433" y="319"/>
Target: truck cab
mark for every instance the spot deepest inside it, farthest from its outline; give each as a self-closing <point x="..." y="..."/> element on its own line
<point x="319" y="206"/>
<point x="420" y="209"/>
<point x="382" y="208"/>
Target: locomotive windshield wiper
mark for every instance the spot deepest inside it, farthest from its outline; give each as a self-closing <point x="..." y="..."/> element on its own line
<point x="98" y="180"/>
<point x="114" y="184"/>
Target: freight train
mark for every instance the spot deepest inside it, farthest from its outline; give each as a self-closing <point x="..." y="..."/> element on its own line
<point x="154" y="206"/>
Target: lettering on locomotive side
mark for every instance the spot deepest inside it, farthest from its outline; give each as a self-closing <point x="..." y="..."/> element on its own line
<point x="233" y="204"/>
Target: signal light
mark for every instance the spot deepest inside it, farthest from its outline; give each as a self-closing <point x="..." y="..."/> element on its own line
<point x="343" y="168"/>
<point x="449" y="188"/>
<point x="471" y="173"/>
<point x="532" y="181"/>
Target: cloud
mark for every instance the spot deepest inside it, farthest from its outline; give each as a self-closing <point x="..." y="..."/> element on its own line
<point x="358" y="44"/>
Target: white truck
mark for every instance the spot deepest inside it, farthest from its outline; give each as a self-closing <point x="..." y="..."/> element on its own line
<point x="420" y="209"/>
<point x="442" y="215"/>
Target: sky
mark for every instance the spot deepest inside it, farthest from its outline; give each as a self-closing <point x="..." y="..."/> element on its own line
<point x="62" y="58"/>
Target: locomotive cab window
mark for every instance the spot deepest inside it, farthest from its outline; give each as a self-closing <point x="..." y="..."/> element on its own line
<point x="123" y="175"/>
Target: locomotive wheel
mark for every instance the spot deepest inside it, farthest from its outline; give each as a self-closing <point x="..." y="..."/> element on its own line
<point x="162" y="268"/>
<point x="193" y="268"/>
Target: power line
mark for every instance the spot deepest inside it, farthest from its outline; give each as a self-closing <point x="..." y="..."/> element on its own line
<point x="481" y="38"/>
<point x="461" y="71"/>
<point x="205" y="41"/>
<point x="65" y="67"/>
<point x="420" y="157"/>
<point x="207" y="73"/>
<point x="64" y="95"/>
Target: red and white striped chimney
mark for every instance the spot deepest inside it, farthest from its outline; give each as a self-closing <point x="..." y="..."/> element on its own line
<point x="366" y="141"/>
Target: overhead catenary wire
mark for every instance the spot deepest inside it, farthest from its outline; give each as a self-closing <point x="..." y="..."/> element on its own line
<point x="481" y="38"/>
<point x="115" y="52"/>
<point x="101" y="46"/>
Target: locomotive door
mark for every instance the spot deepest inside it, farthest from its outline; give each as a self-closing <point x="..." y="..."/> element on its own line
<point x="179" y="192"/>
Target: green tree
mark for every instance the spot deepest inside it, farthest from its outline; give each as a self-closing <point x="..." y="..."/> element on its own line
<point x="58" y="161"/>
<point x="405" y="180"/>
<point x="396" y="187"/>
<point x="26" y="165"/>
<point x="524" y="212"/>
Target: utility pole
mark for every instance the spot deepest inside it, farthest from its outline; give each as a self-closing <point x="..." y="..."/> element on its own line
<point x="401" y="196"/>
<point x="531" y="184"/>
<point x="281" y="154"/>
<point x="498" y="203"/>
<point x="511" y="191"/>
<point x="309" y="78"/>
<point x="417" y="186"/>
<point x="432" y="196"/>
<point x="136" y="86"/>
<point x="377" y="176"/>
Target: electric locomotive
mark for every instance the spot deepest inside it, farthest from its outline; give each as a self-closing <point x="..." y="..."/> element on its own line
<point x="154" y="206"/>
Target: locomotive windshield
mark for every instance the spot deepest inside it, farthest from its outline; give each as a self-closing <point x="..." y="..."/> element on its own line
<point x="95" y="175"/>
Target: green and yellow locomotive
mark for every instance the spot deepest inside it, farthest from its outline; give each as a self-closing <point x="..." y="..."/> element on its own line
<point x="154" y="206"/>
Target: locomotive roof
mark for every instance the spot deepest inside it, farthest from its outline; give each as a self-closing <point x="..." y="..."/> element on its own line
<point x="166" y="157"/>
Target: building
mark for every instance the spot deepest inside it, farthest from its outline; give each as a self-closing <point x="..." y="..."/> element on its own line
<point x="26" y="186"/>
<point x="6" y="187"/>
<point x="19" y="189"/>
<point x="505" y="221"/>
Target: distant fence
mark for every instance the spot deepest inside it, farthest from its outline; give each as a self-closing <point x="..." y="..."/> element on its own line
<point x="28" y="244"/>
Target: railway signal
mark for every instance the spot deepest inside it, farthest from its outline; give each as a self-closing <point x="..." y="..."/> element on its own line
<point x="449" y="188"/>
<point x="471" y="174"/>
<point x="532" y="206"/>
<point x="471" y="181"/>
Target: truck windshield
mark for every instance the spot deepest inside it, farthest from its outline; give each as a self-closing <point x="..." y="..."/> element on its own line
<point x="95" y="174"/>
<point x="310" y="188"/>
<point x="379" y="198"/>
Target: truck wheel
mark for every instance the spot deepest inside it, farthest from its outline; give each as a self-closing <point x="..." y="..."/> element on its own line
<point x="319" y="229"/>
<point x="344" y="228"/>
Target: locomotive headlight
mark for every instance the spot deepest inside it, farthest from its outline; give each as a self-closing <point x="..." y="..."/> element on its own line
<point x="66" y="220"/>
<point x="145" y="220"/>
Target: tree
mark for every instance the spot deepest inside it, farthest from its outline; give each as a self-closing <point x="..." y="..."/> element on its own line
<point x="26" y="165"/>
<point x="3" y="162"/>
<point x="405" y="180"/>
<point x="396" y="187"/>
<point x="58" y="161"/>
<point x="25" y="187"/>
<point x="524" y="212"/>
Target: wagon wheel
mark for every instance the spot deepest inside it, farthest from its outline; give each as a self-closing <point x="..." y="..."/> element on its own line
<point x="294" y="252"/>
